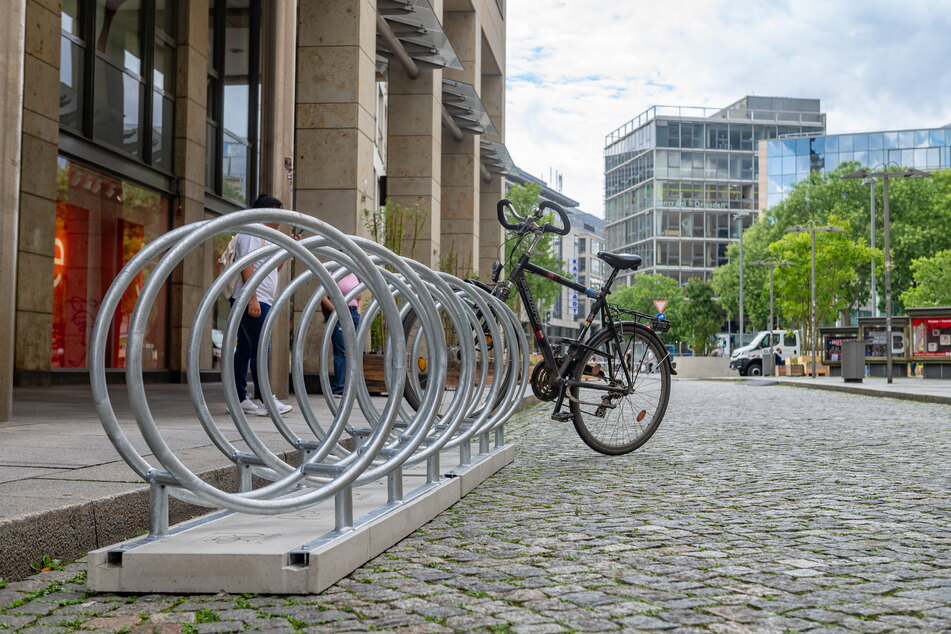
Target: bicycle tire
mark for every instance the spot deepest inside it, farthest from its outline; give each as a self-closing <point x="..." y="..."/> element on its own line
<point x="627" y="421"/>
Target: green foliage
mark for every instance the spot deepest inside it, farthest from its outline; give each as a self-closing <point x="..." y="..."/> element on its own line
<point x="700" y="315"/>
<point x="920" y="212"/>
<point x="398" y="228"/>
<point x="932" y="281"/>
<point x="204" y="615"/>
<point x="525" y="200"/>
<point x="838" y="258"/>
<point x="47" y="563"/>
<point x="641" y="294"/>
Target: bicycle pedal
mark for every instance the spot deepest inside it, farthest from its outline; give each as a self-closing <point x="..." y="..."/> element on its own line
<point x="562" y="417"/>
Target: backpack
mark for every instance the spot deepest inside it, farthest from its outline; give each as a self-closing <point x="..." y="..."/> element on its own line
<point x="226" y="259"/>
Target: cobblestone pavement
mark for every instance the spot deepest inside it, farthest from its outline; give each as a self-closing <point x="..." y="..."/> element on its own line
<point x="754" y="509"/>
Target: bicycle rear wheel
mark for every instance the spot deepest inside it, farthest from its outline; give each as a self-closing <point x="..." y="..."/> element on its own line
<point x="619" y="389"/>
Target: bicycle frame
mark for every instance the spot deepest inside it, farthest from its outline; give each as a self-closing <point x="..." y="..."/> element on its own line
<point x="517" y="277"/>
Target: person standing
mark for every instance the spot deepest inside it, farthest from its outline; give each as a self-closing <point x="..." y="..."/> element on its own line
<point x="346" y="284"/>
<point x="249" y="331"/>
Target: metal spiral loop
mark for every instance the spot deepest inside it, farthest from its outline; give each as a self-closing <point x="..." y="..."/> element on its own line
<point x="440" y="333"/>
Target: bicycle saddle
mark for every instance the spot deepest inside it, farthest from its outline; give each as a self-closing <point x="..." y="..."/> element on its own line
<point x="621" y="260"/>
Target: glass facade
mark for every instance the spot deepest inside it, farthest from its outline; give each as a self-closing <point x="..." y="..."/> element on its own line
<point x="672" y="181"/>
<point x="117" y="76"/>
<point x="101" y="223"/>
<point x="793" y="159"/>
<point x="234" y="98"/>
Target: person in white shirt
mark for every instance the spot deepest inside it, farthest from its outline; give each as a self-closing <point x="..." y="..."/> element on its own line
<point x="249" y="332"/>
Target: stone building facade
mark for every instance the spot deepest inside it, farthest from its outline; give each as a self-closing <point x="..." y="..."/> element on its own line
<point x="123" y="120"/>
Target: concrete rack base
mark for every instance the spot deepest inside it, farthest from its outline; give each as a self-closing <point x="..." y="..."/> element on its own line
<point x="296" y="553"/>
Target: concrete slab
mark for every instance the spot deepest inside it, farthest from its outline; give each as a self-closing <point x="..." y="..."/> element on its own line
<point x="245" y="553"/>
<point x="13" y="473"/>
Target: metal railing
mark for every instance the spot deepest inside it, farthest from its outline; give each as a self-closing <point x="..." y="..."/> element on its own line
<point x="435" y="323"/>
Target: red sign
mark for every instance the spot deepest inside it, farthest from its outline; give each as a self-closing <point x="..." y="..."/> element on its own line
<point x="660" y="304"/>
<point x="931" y="337"/>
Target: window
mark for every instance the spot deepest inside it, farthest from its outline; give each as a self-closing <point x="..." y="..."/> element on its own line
<point x="234" y="98"/>
<point x="117" y="75"/>
<point x="101" y="223"/>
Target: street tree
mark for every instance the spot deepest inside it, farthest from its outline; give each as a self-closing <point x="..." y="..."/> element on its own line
<point x="701" y="315"/>
<point x="525" y="199"/>
<point x="646" y="289"/>
<point x="838" y="258"/>
<point x="932" y="282"/>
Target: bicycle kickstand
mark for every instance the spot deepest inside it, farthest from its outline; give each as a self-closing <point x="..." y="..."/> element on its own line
<point x="557" y="414"/>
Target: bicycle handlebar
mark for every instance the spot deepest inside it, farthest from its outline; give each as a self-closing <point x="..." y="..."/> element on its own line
<point x="523" y="221"/>
<point x="565" y="223"/>
<point x="500" y="208"/>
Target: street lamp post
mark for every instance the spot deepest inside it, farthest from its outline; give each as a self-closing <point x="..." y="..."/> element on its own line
<point x="865" y="173"/>
<point x="772" y="265"/>
<point x="740" y="216"/>
<point x="871" y="205"/>
<point x="813" y="333"/>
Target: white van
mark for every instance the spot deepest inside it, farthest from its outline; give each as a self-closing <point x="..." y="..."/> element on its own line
<point x="749" y="359"/>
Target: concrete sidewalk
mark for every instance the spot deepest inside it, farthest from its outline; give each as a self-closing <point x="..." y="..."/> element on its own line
<point x="906" y="389"/>
<point x="64" y="490"/>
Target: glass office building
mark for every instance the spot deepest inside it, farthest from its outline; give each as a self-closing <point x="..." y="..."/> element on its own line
<point x="675" y="176"/>
<point x="793" y="159"/>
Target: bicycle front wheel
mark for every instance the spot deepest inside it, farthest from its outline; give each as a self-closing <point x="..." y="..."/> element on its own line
<point x="619" y="389"/>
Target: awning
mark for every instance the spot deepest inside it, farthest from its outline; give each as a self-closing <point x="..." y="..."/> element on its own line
<point x="465" y="107"/>
<point x="496" y="159"/>
<point x="415" y="25"/>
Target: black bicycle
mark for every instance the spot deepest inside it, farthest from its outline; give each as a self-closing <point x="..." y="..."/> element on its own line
<point x="616" y="378"/>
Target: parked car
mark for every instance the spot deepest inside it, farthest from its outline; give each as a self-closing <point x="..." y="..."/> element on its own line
<point x="749" y="359"/>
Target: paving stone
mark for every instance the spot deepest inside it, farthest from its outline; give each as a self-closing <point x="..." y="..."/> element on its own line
<point x="183" y="617"/>
<point x="749" y="510"/>
<point x="111" y="622"/>
<point x="219" y="626"/>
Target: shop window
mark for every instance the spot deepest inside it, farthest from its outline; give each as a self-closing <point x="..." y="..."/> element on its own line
<point x="117" y="75"/>
<point x="101" y="223"/>
<point x="234" y="98"/>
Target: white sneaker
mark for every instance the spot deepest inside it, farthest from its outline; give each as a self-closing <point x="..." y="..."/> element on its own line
<point x="282" y="408"/>
<point x="250" y="407"/>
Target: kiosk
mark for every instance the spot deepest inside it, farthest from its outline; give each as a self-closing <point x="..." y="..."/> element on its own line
<point x="931" y="341"/>
<point x="872" y="332"/>
<point x="832" y="340"/>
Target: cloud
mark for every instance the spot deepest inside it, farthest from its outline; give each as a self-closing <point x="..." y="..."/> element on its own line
<point x="578" y="70"/>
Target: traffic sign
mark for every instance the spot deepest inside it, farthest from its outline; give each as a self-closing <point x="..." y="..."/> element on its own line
<point x="660" y="304"/>
<point x="660" y="316"/>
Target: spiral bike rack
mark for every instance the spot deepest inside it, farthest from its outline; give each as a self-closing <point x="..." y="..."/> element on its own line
<point x="454" y="326"/>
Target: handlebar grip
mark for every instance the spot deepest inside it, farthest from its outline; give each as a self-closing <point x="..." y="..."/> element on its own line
<point x="565" y="222"/>
<point x="500" y="208"/>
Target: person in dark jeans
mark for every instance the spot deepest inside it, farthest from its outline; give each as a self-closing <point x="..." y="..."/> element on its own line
<point x="249" y="331"/>
<point x="346" y="284"/>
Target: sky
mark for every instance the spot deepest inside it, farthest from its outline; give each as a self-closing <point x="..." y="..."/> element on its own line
<point x="578" y="69"/>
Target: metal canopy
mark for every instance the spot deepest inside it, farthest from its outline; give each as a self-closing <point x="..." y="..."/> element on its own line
<point x="415" y="25"/>
<point x="466" y="108"/>
<point x="496" y="159"/>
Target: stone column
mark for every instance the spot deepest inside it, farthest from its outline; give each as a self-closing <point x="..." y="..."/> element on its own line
<point x="336" y="110"/>
<point x="277" y="145"/>
<point x="37" y="220"/>
<point x="336" y="120"/>
<point x="414" y="157"/>
<point x="460" y="158"/>
<point x="12" y="50"/>
<point x="491" y="232"/>
<point x="187" y="283"/>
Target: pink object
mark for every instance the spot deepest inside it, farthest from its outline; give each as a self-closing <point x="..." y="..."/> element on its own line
<point x="347" y="284"/>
